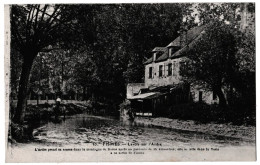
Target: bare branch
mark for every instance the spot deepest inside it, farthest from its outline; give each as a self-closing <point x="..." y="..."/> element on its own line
<point x="36" y="18"/>
<point x="44" y="12"/>
<point x="29" y="21"/>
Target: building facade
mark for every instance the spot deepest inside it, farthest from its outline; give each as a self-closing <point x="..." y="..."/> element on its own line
<point x="163" y="83"/>
<point x="163" y="69"/>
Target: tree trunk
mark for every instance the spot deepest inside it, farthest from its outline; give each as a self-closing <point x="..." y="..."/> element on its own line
<point x="222" y="99"/>
<point x="23" y="87"/>
<point x="62" y="89"/>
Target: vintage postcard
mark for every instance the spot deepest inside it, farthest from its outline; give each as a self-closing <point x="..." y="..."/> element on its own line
<point x="126" y="82"/>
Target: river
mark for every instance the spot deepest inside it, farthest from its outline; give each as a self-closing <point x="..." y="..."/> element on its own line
<point x="86" y="129"/>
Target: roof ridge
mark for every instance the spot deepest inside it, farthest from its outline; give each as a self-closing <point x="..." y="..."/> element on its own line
<point x="192" y="34"/>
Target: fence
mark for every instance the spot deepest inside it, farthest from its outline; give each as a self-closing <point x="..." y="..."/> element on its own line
<point x="34" y="102"/>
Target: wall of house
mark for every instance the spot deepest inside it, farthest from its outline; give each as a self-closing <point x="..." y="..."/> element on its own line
<point x="207" y="96"/>
<point x="164" y="80"/>
<point x="175" y="78"/>
<point x="133" y="88"/>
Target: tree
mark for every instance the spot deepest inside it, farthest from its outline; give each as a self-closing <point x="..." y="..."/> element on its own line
<point x="35" y="28"/>
<point x="15" y="66"/>
<point x="212" y="59"/>
<point x="241" y="65"/>
<point x="226" y="12"/>
<point x="85" y="74"/>
<point x="122" y="36"/>
<point x="117" y="38"/>
<point x="147" y="26"/>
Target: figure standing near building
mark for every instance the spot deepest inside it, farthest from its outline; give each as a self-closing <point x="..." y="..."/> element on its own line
<point x="57" y="108"/>
<point x="58" y="101"/>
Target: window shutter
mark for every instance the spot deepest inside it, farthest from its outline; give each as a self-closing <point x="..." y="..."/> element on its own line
<point x="152" y="73"/>
<point x="167" y="69"/>
<point x="173" y="68"/>
<point x="164" y="70"/>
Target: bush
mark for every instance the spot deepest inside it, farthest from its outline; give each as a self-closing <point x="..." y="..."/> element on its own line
<point x="20" y="133"/>
<point x="205" y="113"/>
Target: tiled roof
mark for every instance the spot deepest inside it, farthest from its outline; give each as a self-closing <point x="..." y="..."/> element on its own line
<point x="189" y="45"/>
<point x="192" y="35"/>
<point x="163" y="57"/>
<point x="161" y="50"/>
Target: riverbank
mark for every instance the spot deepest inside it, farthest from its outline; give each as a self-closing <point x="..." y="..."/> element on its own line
<point x="37" y="115"/>
<point x="228" y="130"/>
<point x="83" y="130"/>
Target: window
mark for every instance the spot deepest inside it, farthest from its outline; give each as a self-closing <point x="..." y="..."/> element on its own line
<point x="169" y="69"/>
<point x="200" y="96"/>
<point x="160" y="70"/>
<point x="150" y="72"/>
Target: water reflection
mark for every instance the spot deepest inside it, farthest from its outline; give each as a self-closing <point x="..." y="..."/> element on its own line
<point x="83" y="128"/>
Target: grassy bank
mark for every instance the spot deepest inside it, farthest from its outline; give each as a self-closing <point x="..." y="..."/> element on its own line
<point x="204" y="113"/>
<point x="37" y="115"/>
<point x="228" y="130"/>
<point x="237" y="121"/>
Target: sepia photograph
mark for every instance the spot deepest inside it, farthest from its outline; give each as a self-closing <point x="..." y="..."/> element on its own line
<point x="130" y="82"/>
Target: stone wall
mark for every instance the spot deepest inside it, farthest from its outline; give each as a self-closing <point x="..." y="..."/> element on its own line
<point x="133" y="89"/>
<point x="34" y="102"/>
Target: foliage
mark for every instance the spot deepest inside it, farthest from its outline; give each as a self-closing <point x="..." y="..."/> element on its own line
<point x="98" y="48"/>
<point x="230" y="13"/>
<point x="89" y="45"/>
<point x="204" y="113"/>
<point x="224" y="56"/>
<point x="36" y="28"/>
<point x="212" y="61"/>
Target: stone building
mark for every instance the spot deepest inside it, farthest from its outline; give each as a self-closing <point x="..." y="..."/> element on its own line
<point x="163" y="69"/>
<point x="163" y="85"/>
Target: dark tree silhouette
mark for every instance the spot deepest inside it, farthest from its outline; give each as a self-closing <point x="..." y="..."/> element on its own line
<point x="212" y="59"/>
<point x="34" y="29"/>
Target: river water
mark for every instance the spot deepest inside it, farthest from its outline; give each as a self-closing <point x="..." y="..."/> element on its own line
<point x="86" y="129"/>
